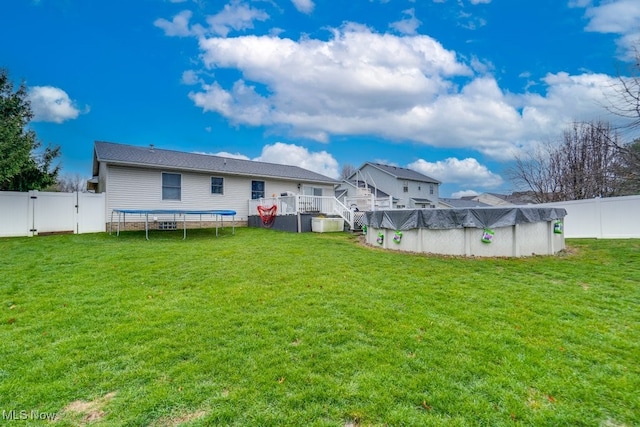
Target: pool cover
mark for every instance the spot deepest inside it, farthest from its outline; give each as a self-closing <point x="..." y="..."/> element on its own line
<point x="445" y="219"/>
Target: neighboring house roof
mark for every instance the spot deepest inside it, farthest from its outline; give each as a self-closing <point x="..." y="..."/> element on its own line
<point x="417" y="200"/>
<point x="522" y="198"/>
<point x="129" y="155"/>
<point x="401" y="173"/>
<point x="517" y="198"/>
<point x="462" y="203"/>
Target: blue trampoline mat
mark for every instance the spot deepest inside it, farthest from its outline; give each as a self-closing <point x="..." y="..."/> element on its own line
<point x="225" y="212"/>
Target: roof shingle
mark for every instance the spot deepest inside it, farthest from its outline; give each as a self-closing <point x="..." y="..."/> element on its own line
<point x="404" y="173"/>
<point x="123" y="154"/>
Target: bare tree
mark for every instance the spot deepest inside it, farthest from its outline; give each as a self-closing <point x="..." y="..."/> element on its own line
<point x="534" y="171"/>
<point x="346" y="171"/>
<point x="582" y="165"/>
<point x="587" y="159"/>
<point x="68" y="183"/>
<point x="626" y="102"/>
<point x="628" y="169"/>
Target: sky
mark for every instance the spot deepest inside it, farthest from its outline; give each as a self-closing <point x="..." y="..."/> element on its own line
<point x="453" y="89"/>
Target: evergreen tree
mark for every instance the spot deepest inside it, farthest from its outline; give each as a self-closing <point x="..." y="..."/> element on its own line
<point x="22" y="166"/>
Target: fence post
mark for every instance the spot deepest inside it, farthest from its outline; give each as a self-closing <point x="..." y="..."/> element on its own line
<point x="31" y="211"/>
<point x="76" y="213"/>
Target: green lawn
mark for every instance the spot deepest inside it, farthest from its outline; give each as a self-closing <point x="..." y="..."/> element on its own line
<point x="271" y="328"/>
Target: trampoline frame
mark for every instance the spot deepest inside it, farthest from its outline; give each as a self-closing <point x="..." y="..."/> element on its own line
<point x="218" y="215"/>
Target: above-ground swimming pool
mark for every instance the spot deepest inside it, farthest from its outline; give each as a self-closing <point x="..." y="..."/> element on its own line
<point x="482" y="232"/>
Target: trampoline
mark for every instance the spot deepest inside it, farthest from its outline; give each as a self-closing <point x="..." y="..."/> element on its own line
<point x="217" y="214"/>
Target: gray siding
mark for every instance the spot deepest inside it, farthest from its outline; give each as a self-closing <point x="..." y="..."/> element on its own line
<point x="395" y="187"/>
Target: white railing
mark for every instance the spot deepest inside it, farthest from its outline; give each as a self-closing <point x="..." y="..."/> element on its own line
<point x="289" y="205"/>
<point x="344" y="212"/>
<point x="286" y="205"/>
<point x="369" y="202"/>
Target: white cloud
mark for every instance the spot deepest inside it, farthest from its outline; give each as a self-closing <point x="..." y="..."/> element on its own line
<point x="401" y="88"/>
<point x="618" y="17"/>
<point x="178" y="26"/>
<point x="242" y="105"/>
<point x="304" y="6"/>
<point x="235" y="16"/>
<point x="51" y="104"/>
<point x="190" y="77"/>
<point x="464" y="193"/>
<point x="290" y="154"/>
<point x="579" y="3"/>
<point x="568" y="98"/>
<point x="468" y="172"/>
<point x="409" y="25"/>
<point x="231" y="155"/>
<point x="280" y="153"/>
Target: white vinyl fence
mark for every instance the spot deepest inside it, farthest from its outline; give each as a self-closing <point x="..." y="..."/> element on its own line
<point x="608" y="218"/>
<point x="34" y="212"/>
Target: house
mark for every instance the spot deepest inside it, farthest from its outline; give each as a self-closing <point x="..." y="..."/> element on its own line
<point x="495" y="199"/>
<point x="397" y="187"/>
<point x="447" y="203"/>
<point x="135" y="177"/>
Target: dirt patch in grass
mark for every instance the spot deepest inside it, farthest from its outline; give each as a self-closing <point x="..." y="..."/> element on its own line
<point x="178" y="420"/>
<point x="569" y="251"/>
<point x="87" y="412"/>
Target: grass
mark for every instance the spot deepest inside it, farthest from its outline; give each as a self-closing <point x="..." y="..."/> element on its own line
<point x="272" y="328"/>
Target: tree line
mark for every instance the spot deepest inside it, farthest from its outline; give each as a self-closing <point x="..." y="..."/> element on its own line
<point x="588" y="161"/>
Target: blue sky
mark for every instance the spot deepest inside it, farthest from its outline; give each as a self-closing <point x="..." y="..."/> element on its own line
<point x="451" y="88"/>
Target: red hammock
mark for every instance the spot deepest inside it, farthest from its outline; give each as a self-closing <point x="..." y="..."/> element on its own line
<point x="267" y="215"/>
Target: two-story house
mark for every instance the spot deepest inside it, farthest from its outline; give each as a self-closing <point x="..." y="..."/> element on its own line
<point x="402" y="187"/>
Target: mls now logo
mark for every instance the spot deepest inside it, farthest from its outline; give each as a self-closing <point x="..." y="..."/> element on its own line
<point x="15" y="415"/>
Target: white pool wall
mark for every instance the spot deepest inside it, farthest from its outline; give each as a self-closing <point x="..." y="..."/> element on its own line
<point x="518" y="240"/>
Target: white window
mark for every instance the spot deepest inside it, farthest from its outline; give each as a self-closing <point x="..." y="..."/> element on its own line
<point x="312" y="191"/>
<point x="217" y="185"/>
<point x="171" y="186"/>
<point x="257" y="190"/>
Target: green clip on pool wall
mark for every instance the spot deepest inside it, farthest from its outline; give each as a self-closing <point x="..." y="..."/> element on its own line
<point x="487" y="235"/>
<point x="397" y="237"/>
<point x="380" y="238"/>
<point x="364" y="229"/>
<point x="557" y="227"/>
